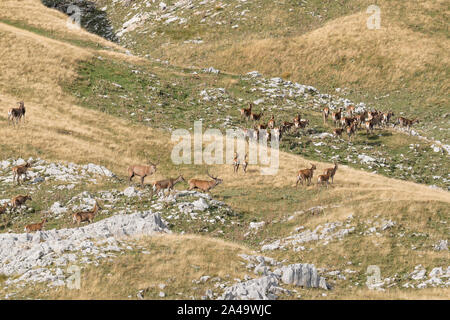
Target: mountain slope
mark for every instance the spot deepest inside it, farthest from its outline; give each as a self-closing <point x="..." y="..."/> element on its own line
<point x="36" y="68"/>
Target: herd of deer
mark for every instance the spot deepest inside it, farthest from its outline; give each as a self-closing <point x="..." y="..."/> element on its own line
<point x="19" y="200"/>
<point x="350" y="123"/>
<point x="368" y="119"/>
<point x="269" y="128"/>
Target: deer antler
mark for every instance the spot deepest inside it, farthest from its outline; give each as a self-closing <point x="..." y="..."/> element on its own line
<point x="207" y="172"/>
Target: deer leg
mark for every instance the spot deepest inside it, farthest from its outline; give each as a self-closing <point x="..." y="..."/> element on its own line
<point x="130" y="178"/>
<point x="142" y="181"/>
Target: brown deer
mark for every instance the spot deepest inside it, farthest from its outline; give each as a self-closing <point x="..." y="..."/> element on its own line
<point x="336" y="116"/>
<point x="297" y="120"/>
<point x="337" y="132"/>
<point x="350" y="110"/>
<point x="81" y="216"/>
<point x="387" y="118"/>
<point x="166" y="184"/>
<point x="204" y="185"/>
<point x="141" y="171"/>
<point x="331" y="171"/>
<point x="35" y="226"/>
<point x="406" y="122"/>
<point x="235" y="163"/>
<point x="245" y="163"/>
<point x="16" y="114"/>
<point x="305" y="175"/>
<point x="19" y="200"/>
<point x="325" y="114"/>
<point x="346" y="121"/>
<point x="351" y="129"/>
<point x="271" y="123"/>
<point x="359" y="119"/>
<point x="369" y="126"/>
<point x="256" y="116"/>
<point x="246" y="112"/>
<point x="323" y="178"/>
<point x="19" y="171"/>
<point x="303" y="123"/>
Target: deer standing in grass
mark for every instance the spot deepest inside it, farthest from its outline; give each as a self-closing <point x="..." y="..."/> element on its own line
<point x="336" y="116"/>
<point x="305" y="175"/>
<point x="337" y="132"/>
<point x="82" y="216"/>
<point x="351" y="131"/>
<point x="19" y="171"/>
<point x="141" y="171"/>
<point x="331" y="171"/>
<point x="323" y="178"/>
<point x="235" y="163"/>
<point x="350" y="110"/>
<point x="325" y="114"/>
<point x="246" y="112"/>
<point x="255" y="116"/>
<point x="16" y="114"/>
<point x="271" y="123"/>
<point x="245" y="163"/>
<point x="406" y="122"/>
<point x="204" y="185"/>
<point x="166" y="184"/>
<point x="32" y="227"/>
<point x="369" y="126"/>
<point x="19" y="200"/>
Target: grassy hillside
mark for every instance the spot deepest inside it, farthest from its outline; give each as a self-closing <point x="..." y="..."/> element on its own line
<point x="63" y="84"/>
<point x="403" y="66"/>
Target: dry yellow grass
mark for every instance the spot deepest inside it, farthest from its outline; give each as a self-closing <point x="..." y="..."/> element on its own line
<point x="33" y="13"/>
<point x="392" y="57"/>
<point x="175" y="260"/>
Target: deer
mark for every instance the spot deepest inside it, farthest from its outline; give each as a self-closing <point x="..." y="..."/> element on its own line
<point x="350" y="110"/>
<point x="305" y="174"/>
<point x="82" y="216"/>
<point x="296" y="120"/>
<point x="359" y="119"/>
<point x="16" y="114"/>
<point x="255" y="116"/>
<point x="19" y="171"/>
<point x="386" y="118"/>
<point x="331" y="171"/>
<point x="287" y="126"/>
<point x="167" y="184"/>
<point x="323" y="178"/>
<point x="346" y="121"/>
<point x="235" y="163"/>
<point x="245" y="163"/>
<point x="271" y="123"/>
<point x="325" y="114"/>
<point x="406" y="122"/>
<point x="369" y="126"/>
<point x="336" y="116"/>
<point x="351" y="129"/>
<point x="35" y="226"/>
<point x="303" y="123"/>
<point x="246" y="112"/>
<point x="19" y="200"/>
<point x="204" y="185"/>
<point x="337" y="132"/>
<point x="141" y="171"/>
